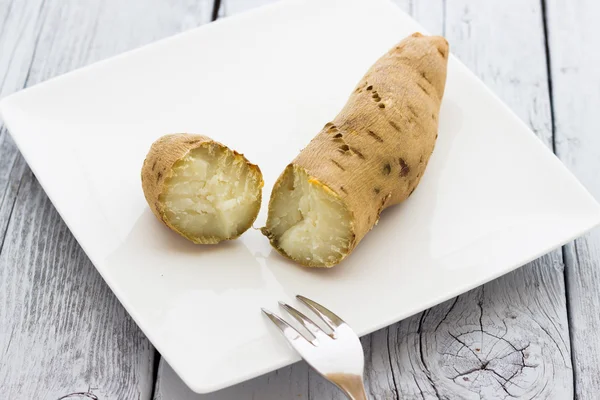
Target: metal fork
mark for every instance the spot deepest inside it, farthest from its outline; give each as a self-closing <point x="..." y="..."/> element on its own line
<point x="338" y="355"/>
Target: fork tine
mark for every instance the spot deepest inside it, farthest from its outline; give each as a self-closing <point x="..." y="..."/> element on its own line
<point x="332" y="320"/>
<point x="304" y="320"/>
<point x="290" y="333"/>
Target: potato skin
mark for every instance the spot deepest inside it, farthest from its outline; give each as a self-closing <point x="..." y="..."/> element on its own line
<point x="374" y="153"/>
<point x="157" y="168"/>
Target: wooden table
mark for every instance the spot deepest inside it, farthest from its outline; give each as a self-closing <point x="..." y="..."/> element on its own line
<point x="530" y="334"/>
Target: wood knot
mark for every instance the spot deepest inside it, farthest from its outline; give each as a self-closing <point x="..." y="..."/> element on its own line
<point x="484" y="350"/>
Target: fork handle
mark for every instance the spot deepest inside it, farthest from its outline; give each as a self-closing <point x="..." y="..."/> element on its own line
<point x="352" y="385"/>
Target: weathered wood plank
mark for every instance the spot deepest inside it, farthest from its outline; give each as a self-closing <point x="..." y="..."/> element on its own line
<point x="486" y="334"/>
<point x="232" y="7"/>
<point x="61" y="329"/>
<point x="286" y="383"/>
<point x="498" y="341"/>
<point x="573" y="31"/>
<point x="508" y="338"/>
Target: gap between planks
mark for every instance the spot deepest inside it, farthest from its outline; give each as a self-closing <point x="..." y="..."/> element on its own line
<point x="404" y="361"/>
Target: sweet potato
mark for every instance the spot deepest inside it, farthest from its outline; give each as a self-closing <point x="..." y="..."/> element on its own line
<point x="200" y="188"/>
<point x="371" y="156"/>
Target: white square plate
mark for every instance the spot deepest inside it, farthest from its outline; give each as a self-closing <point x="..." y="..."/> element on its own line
<point x="492" y="199"/>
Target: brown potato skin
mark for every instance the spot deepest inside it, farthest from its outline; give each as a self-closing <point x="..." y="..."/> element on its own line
<point x="157" y="168"/>
<point x="374" y="153"/>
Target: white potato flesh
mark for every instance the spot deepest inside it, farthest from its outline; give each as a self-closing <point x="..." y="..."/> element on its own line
<point x="212" y="192"/>
<point x="308" y="221"/>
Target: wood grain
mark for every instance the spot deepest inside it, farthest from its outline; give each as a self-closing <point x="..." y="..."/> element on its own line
<point x="506" y="339"/>
<point x="286" y="383"/>
<point x="573" y="31"/>
<point x="61" y="329"/>
<point x="483" y="344"/>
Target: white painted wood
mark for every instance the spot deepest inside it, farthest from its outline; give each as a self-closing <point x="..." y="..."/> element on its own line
<point x="429" y="13"/>
<point x="232" y="7"/>
<point x="506" y="339"/>
<point x="501" y="340"/>
<point x="293" y="382"/>
<point x="61" y="329"/>
<point x="286" y="383"/>
<point x="573" y="34"/>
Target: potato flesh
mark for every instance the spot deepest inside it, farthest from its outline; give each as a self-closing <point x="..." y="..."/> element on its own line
<point x="308" y="222"/>
<point x="212" y="192"/>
